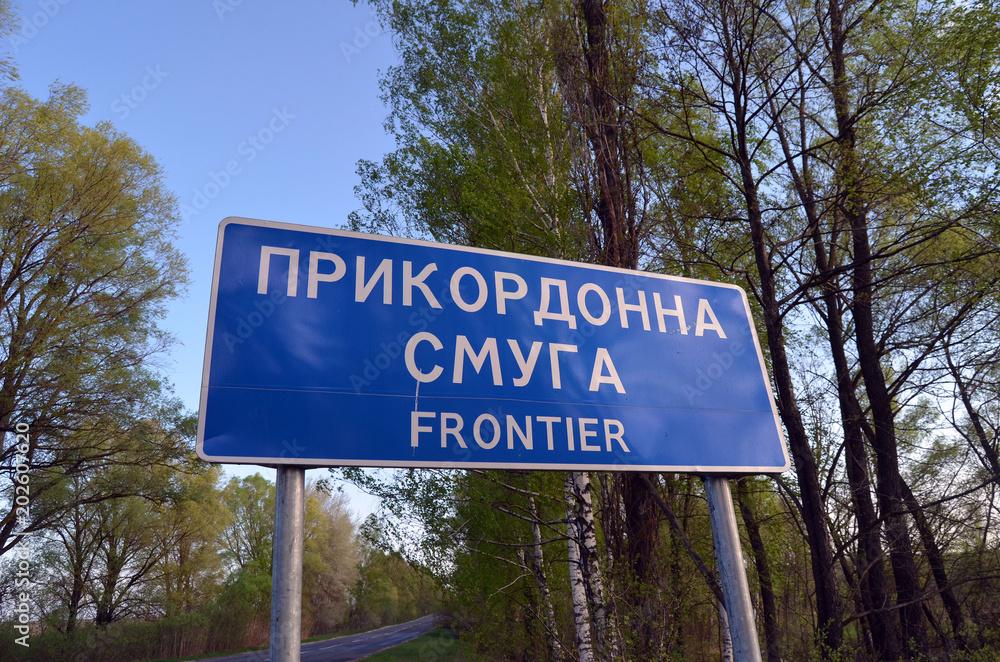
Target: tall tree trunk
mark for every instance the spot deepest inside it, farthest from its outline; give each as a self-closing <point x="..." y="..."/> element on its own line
<point x="725" y="636"/>
<point x="935" y="559"/>
<point x="75" y="596"/>
<point x="872" y="582"/>
<point x="532" y="608"/>
<point x="590" y="562"/>
<point x="618" y="245"/>
<point x="871" y="571"/>
<point x="642" y="524"/>
<point x="676" y="641"/>
<point x="78" y="541"/>
<point x="828" y="603"/>
<point x="889" y="488"/>
<point x="596" y="99"/>
<point x="852" y="205"/>
<point x="538" y="566"/>
<point x="772" y="634"/>
<point x="578" y="589"/>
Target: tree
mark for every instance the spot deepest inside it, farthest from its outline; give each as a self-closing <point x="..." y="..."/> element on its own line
<point x="837" y="159"/>
<point x="389" y="590"/>
<point x="513" y="131"/>
<point x="127" y="554"/>
<point x="69" y="562"/>
<point x="330" y="559"/>
<point x="247" y="538"/>
<point x="483" y="154"/>
<point x="190" y="523"/>
<point x="494" y="541"/>
<point x="8" y="26"/>
<point x="715" y="55"/>
<point x="87" y="269"/>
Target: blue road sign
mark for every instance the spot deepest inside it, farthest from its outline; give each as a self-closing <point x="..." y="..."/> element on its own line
<point x="332" y="348"/>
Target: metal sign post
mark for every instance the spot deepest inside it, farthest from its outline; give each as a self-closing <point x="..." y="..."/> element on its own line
<point x="286" y="577"/>
<point x="732" y="574"/>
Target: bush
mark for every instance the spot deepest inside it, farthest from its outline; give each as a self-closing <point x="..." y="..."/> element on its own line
<point x="239" y="618"/>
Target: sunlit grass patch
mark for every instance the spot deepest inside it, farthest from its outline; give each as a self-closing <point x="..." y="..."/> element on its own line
<point x="440" y="645"/>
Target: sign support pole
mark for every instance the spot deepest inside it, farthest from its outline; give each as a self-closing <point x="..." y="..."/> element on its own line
<point x="729" y="557"/>
<point x="286" y="576"/>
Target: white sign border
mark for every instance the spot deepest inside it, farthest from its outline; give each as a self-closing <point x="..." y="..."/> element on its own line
<point x="389" y="464"/>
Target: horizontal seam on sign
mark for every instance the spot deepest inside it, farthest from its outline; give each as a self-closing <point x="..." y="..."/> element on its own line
<point x="493" y="399"/>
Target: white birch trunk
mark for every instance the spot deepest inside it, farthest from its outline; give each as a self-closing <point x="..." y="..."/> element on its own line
<point x="578" y="589"/>
<point x="727" y="639"/>
<point x="548" y="613"/>
<point x="590" y="564"/>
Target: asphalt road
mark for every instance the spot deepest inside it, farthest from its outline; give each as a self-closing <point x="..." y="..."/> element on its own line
<point x="350" y="647"/>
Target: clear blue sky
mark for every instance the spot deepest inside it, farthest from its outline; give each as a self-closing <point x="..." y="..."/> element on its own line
<point x="285" y="95"/>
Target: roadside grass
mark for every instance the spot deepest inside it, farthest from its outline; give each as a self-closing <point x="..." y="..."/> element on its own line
<point x="438" y="645"/>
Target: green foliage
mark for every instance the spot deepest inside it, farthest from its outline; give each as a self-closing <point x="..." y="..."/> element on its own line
<point x="87" y="269"/>
<point x="483" y="153"/>
<point x="130" y="640"/>
<point x="247" y="537"/>
<point x="491" y="580"/>
<point x="416" y="514"/>
<point x="244" y="597"/>
<point x="389" y="590"/>
<point x="173" y="557"/>
<point x="330" y="561"/>
<point x="190" y="523"/>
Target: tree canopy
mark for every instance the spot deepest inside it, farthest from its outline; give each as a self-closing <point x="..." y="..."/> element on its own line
<point x="87" y="269"/>
<point x="837" y="160"/>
